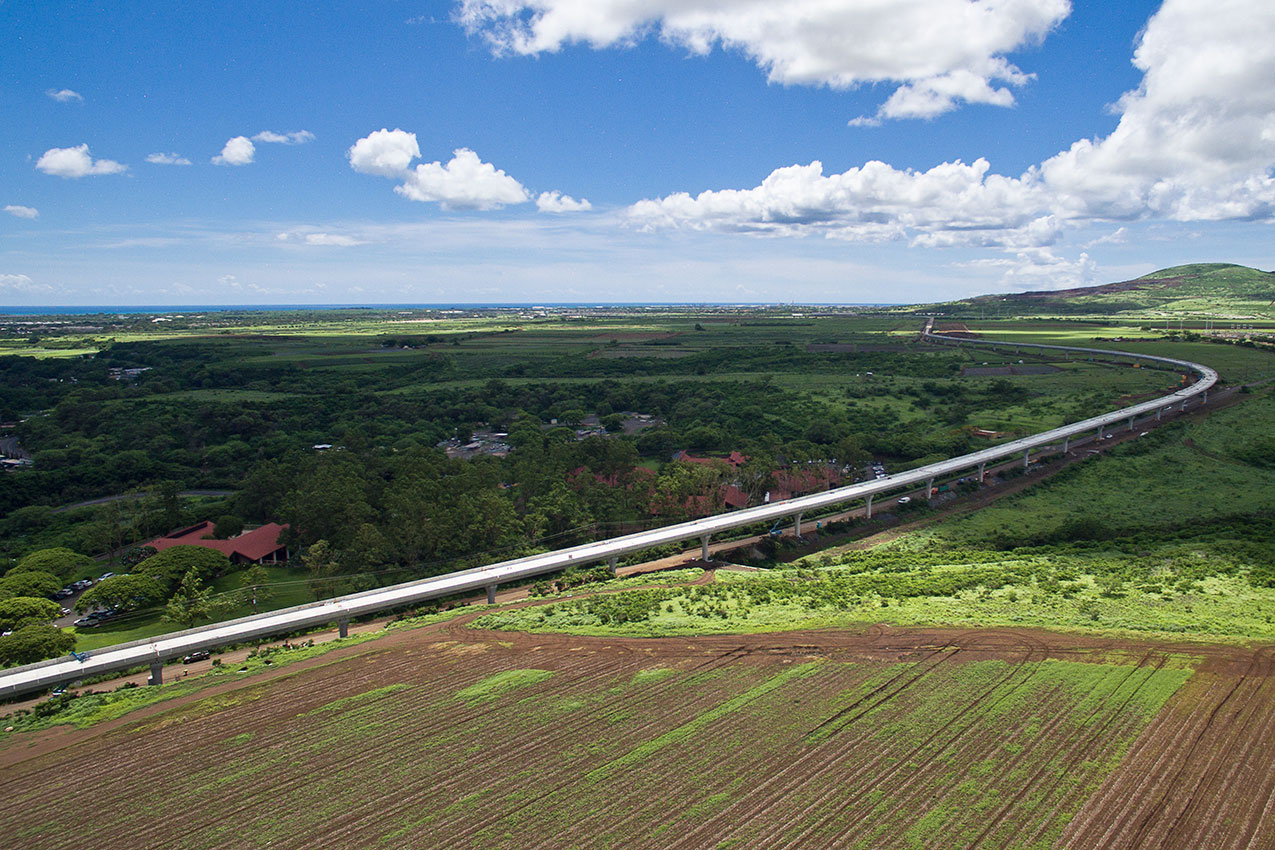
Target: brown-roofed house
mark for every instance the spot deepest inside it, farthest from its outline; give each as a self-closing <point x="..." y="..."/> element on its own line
<point x="259" y="546"/>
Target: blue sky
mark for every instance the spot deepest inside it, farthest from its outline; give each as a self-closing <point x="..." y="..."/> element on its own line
<point x="626" y="150"/>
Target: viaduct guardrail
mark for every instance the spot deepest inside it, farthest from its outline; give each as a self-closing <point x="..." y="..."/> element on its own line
<point x="156" y="651"/>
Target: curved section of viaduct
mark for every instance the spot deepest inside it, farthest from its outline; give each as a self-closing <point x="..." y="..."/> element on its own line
<point x="156" y="651"/>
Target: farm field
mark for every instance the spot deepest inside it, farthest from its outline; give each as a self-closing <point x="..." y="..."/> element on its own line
<point x="875" y="738"/>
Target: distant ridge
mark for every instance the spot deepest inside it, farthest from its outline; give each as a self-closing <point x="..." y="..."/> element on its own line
<point x="1217" y="290"/>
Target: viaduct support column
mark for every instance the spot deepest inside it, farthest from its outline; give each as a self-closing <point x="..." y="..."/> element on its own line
<point x="157" y="673"/>
<point x="343" y="628"/>
<point x="613" y="563"/>
<point x="1099" y="434"/>
<point x="703" y="547"/>
<point x="982" y="471"/>
<point x="1158" y="411"/>
<point x="1204" y="397"/>
<point x="867" y="514"/>
<point x="1027" y="454"/>
<point x="491" y="594"/>
<point x="929" y="489"/>
<point x="1130" y="423"/>
<point x="796" y="527"/>
<point x="1066" y="443"/>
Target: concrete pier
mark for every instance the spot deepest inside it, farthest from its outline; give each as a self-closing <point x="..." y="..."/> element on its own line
<point x="613" y="564"/>
<point x="867" y="514"/>
<point x="796" y="526"/>
<point x="343" y="628"/>
<point x="157" y="673"/>
<point x="491" y="594"/>
<point x="703" y="546"/>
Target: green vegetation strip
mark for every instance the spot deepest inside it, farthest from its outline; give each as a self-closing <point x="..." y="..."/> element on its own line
<point x="358" y="699"/>
<point x="686" y="730"/>
<point x="493" y="686"/>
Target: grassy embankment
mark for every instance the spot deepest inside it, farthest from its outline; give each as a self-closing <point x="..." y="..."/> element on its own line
<point x="1168" y="537"/>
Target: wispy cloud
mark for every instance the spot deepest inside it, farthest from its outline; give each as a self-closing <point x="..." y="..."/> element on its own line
<point x="19" y="211"/>
<point x="21" y="283"/>
<point x="298" y="137"/>
<point x="65" y="96"/>
<point x="167" y="159"/>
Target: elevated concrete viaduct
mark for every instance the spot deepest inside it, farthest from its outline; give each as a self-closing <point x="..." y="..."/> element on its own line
<point x="156" y="651"/>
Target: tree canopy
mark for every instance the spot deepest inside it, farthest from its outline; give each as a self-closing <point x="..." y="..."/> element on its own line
<point x="169" y="566"/>
<point x="35" y="584"/>
<point x="34" y="642"/>
<point x="123" y="593"/>
<point x="19" y="611"/>
<point x="59" y="561"/>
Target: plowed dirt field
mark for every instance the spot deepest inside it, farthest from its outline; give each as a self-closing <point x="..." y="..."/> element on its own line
<point x="447" y="737"/>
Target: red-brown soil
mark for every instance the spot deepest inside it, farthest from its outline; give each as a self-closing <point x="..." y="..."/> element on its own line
<point x="890" y="730"/>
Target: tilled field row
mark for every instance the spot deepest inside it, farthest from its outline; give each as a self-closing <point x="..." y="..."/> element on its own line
<point x="987" y="739"/>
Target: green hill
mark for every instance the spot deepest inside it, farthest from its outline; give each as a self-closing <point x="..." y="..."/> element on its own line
<point x="1200" y="290"/>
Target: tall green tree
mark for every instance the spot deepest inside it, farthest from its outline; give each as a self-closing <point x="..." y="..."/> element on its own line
<point x="256" y="586"/>
<point x="191" y="603"/>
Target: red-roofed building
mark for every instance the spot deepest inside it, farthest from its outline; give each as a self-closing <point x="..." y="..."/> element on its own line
<point x="734" y="458"/>
<point x="259" y="546"/>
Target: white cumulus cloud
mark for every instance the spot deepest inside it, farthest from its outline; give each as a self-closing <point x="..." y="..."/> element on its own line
<point x="298" y="137"/>
<point x="386" y="153"/>
<point x="21" y="283"/>
<point x="167" y="159"/>
<point x="65" y="95"/>
<point x="75" y="163"/>
<point x="22" y="212"/>
<point x="464" y="182"/>
<point x="1195" y="142"/>
<point x="940" y="51"/>
<point x="237" y="151"/>
<point x="556" y="202"/>
<point x="874" y="202"/>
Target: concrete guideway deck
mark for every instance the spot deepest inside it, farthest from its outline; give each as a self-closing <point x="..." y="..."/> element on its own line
<point x="156" y="651"/>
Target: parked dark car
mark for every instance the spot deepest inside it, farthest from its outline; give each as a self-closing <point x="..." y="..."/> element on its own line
<point x="197" y="655"/>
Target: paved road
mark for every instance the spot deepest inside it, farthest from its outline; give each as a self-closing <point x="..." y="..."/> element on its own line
<point x="103" y="500"/>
